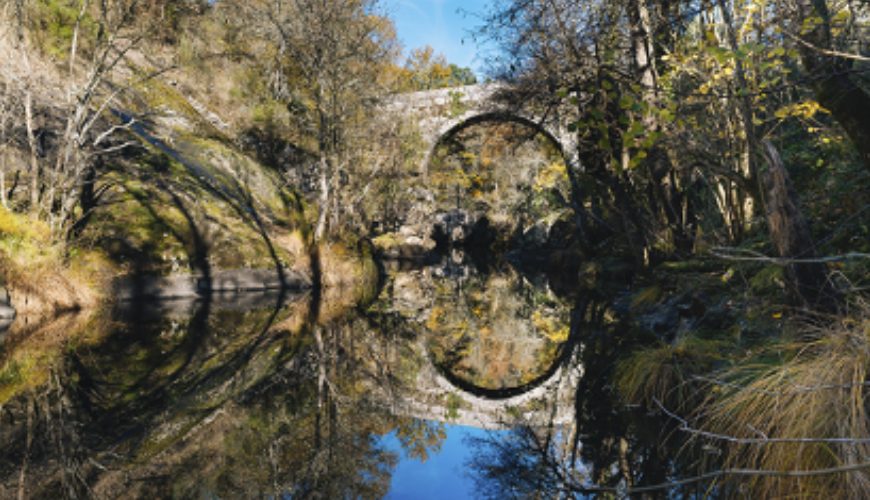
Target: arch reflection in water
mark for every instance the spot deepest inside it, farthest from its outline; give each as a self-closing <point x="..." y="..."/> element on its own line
<point x="262" y="395"/>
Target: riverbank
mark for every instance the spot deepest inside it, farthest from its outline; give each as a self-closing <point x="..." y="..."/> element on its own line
<point x="41" y="280"/>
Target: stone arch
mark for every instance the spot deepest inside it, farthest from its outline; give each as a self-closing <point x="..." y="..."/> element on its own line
<point x="562" y="375"/>
<point x="476" y="117"/>
<point x="542" y="381"/>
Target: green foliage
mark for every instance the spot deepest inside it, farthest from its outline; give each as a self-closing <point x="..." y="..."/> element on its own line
<point x="53" y="22"/>
<point x="425" y="70"/>
<point x="457" y="107"/>
<point x="454" y="404"/>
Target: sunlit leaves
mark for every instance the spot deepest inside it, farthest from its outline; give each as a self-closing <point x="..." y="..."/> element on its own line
<point x="551" y="176"/>
<point x="554" y="328"/>
<point x="804" y="109"/>
<point x="424" y="70"/>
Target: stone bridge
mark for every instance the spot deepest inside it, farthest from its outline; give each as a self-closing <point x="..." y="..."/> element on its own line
<point x="442" y="112"/>
<point x="546" y="401"/>
<point x="439" y="115"/>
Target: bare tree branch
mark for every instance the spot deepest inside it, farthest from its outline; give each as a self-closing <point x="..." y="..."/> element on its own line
<point x="685" y="427"/>
<point x="827" y="52"/>
<point x="746" y="255"/>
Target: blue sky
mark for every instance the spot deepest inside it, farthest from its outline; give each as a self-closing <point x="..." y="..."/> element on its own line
<point x="443" y="24"/>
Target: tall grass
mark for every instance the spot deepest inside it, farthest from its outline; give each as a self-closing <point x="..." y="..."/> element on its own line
<point x="785" y="416"/>
<point x="667" y="373"/>
<point x="42" y="277"/>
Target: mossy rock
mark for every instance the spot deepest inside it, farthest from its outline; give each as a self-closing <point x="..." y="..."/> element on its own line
<point x="190" y="201"/>
<point x="768" y="280"/>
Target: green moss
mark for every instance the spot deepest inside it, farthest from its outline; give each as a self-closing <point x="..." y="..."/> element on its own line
<point x="158" y="95"/>
<point x="646" y="297"/>
<point x="768" y="280"/>
<point x="386" y="241"/>
<point x="207" y="198"/>
<point x="10" y="373"/>
<point x="53" y="22"/>
<point x="457" y="106"/>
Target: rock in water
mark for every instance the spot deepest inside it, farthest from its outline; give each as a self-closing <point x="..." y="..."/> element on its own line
<point x="7" y="312"/>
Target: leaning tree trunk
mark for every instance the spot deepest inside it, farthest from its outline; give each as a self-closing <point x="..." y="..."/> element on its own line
<point x="806" y="278"/>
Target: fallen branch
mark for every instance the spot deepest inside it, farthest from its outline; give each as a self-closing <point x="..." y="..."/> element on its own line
<point x="685" y="427"/>
<point x="725" y="473"/>
<point x="798" y="389"/>
<point x="745" y="255"/>
<point x="827" y="52"/>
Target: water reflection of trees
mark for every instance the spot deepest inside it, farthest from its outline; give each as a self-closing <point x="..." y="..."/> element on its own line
<point x="610" y="449"/>
<point x="496" y="331"/>
<point x="215" y="401"/>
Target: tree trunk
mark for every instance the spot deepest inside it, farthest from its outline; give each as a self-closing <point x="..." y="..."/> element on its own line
<point x="4" y="161"/>
<point x="665" y="194"/>
<point x="644" y="56"/>
<point x="34" y="155"/>
<point x="3" y="200"/>
<point x="850" y="106"/>
<point x="323" y="216"/>
<point x="744" y="102"/>
<point x="807" y="281"/>
<point x="832" y="80"/>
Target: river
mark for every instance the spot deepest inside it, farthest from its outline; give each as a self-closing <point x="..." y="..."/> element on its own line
<point x="454" y="381"/>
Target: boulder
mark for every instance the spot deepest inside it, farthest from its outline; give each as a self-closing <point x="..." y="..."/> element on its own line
<point x="180" y="287"/>
<point x="406" y="244"/>
<point x="7" y="312"/>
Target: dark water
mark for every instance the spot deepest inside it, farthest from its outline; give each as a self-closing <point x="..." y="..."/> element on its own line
<point x="453" y="383"/>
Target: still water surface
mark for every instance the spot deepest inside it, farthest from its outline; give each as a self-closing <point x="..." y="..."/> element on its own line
<point x="453" y="382"/>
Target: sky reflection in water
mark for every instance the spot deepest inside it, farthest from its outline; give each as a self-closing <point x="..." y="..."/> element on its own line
<point x="442" y="475"/>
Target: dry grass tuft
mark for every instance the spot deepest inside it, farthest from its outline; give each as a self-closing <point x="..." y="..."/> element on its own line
<point x="665" y="373"/>
<point x="819" y="392"/>
<point x="36" y="273"/>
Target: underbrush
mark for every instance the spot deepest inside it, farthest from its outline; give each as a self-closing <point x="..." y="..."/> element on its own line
<point x="44" y="277"/>
<point x="798" y="406"/>
<point x="776" y="399"/>
<point x="788" y="418"/>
